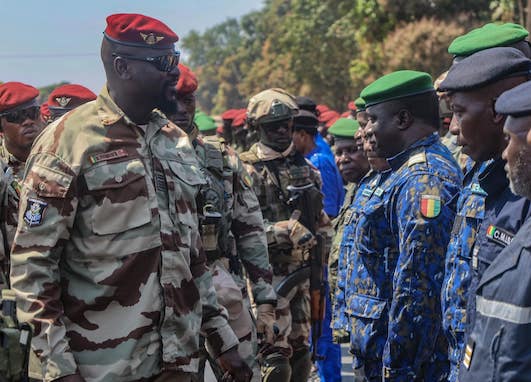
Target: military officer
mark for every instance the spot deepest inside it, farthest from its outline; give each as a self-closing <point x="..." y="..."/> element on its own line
<point x="232" y="227"/>
<point x="274" y="166"/>
<point x="107" y="262"/>
<point x="400" y="236"/>
<point x="67" y="97"/>
<point x="498" y="346"/>
<point x="488" y="213"/>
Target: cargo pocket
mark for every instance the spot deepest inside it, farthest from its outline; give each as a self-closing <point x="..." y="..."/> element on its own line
<point x="121" y="195"/>
<point x="369" y="326"/>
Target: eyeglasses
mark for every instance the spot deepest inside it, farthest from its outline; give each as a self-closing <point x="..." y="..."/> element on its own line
<point x="19" y="116"/>
<point x="164" y="63"/>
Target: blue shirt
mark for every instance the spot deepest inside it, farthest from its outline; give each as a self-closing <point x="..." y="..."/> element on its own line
<point x="332" y="189"/>
<point x="323" y="147"/>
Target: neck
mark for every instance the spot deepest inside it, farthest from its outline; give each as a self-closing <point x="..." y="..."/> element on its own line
<point x="137" y="112"/>
<point x="20" y="153"/>
<point x="309" y="148"/>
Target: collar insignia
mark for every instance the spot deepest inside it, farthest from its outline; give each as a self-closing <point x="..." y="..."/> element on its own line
<point x="63" y="101"/>
<point x="150" y="38"/>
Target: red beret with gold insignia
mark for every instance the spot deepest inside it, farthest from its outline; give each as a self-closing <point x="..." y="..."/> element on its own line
<point x="187" y="80"/>
<point x="69" y="96"/>
<point x="16" y="96"/>
<point x="138" y="30"/>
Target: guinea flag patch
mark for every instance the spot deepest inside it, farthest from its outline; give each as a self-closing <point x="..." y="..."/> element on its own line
<point x="430" y="206"/>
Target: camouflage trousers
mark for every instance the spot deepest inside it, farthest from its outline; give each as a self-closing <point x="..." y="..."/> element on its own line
<point x="229" y="293"/>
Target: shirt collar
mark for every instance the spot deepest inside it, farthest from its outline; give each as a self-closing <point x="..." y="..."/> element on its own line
<point x="399" y="159"/>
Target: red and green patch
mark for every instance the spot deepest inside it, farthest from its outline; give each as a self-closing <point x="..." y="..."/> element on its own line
<point x="430" y="206"/>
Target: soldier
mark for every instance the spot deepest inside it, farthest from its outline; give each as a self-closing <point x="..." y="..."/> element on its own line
<point x="400" y="236"/>
<point x="275" y="168"/>
<point x="67" y="97"/>
<point x="205" y="124"/>
<point x="361" y="114"/>
<point x="486" y="205"/>
<point x="107" y="262"/>
<point x="232" y="227"/>
<point x="498" y="345"/>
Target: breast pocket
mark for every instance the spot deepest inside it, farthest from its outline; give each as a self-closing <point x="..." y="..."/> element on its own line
<point x="369" y="326"/>
<point x="121" y="196"/>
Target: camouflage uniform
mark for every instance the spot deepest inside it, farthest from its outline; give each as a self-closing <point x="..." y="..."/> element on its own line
<point x="107" y="262"/>
<point x="396" y="266"/>
<point x="237" y="237"/>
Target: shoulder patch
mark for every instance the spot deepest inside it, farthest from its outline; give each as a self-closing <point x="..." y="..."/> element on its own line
<point x="416" y="159"/>
<point x="34" y="213"/>
<point x="430" y="206"/>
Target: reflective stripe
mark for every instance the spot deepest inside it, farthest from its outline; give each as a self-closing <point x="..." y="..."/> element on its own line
<point x="503" y="311"/>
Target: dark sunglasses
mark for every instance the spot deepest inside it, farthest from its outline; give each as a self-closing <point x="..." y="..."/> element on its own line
<point x="164" y="63"/>
<point x="19" y="116"/>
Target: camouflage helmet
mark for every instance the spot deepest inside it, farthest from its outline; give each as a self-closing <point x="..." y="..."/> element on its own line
<point x="271" y="105"/>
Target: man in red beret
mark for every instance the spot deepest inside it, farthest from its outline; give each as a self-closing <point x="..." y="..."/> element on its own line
<point x="235" y="240"/>
<point x="108" y="265"/>
<point x="67" y="97"/>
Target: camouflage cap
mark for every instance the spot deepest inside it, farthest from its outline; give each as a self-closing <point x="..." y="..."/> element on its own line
<point x="271" y="105"/>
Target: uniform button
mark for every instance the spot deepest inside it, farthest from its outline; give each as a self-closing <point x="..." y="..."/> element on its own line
<point x="42" y="186"/>
<point x="118" y="178"/>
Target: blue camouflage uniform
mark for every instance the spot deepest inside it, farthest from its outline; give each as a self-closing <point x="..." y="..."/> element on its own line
<point x="498" y="346"/>
<point x="488" y="216"/>
<point x="396" y="266"/>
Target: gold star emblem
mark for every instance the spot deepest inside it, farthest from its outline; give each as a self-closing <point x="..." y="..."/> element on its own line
<point x="150" y="38"/>
<point x="63" y="101"/>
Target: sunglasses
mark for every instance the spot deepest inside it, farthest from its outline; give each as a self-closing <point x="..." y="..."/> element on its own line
<point x="19" y="116"/>
<point x="164" y="63"/>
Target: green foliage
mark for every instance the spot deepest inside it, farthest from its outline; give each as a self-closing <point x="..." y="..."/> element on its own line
<point x="326" y="49"/>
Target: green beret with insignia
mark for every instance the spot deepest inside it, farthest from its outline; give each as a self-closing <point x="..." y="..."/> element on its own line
<point x="360" y="104"/>
<point x="399" y="84"/>
<point x="488" y="36"/>
<point x="204" y="122"/>
<point x="344" y="128"/>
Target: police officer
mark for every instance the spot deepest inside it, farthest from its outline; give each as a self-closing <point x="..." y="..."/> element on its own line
<point x="400" y="236"/>
<point x="232" y="227"/>
<point x="274" y="166"/>
<point x="107" y="261"/>
<point x="488" y="213"/>
<point x="498" y="346"/>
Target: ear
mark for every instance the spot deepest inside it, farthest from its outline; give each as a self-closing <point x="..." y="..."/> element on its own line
<point x="122" y="68"/>
<point x="403" y="119"/>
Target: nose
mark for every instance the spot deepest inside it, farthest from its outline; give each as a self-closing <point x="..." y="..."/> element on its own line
<point x="454" y="126"/>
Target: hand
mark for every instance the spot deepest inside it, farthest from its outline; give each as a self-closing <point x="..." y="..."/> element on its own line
<point x="265" y="319"/>
<point x="234" y="366"/>
<point x="71" y="378"/>
<point x="300" y="236"/>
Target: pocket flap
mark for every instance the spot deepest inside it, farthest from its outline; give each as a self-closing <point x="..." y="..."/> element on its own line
<point x="188" y="173"/>
<point x="366" y="306"/>
<point x="114" y="175"/>
<point x="47" y="182"/>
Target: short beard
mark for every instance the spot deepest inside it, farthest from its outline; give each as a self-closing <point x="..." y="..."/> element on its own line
<point x="520" y="174"/>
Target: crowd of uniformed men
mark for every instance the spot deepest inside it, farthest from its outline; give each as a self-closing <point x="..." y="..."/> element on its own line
<point x="141" y="240"/>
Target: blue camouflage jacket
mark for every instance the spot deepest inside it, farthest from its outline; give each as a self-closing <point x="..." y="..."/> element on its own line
<point x="397" y="247"/>
<point x="488" y="216"/>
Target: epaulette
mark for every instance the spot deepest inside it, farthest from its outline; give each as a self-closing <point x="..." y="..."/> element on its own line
<point x="249" y="157"/>
<point x="417" y="159"/>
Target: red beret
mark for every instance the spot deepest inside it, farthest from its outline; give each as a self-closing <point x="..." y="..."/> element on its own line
<point x="352" y="106"/>
<point x="328" y="115"/>
<point x="345" y="114"/>
<point x="219" y="130"/>
<point x="187" y="80"/>
<point x="230" y="114"/>
<point x="138" y="30"/>
<point x="69" y="96"/>
<point x="45" y="112"/>
<point x="334" y="116"/>
<point x="16" y="95"/>
<point x="239" y="119"/>
<point x="322" y="108"/>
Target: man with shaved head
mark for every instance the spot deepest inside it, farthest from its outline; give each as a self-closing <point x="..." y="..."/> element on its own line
<point x="108" y="265"/>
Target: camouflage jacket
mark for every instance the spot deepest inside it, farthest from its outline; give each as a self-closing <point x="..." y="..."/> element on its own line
<point x="107" y="261"/>
<point x="271" y="174"/>
<point x="396" y="271"/>
<point x="240" y="235"/>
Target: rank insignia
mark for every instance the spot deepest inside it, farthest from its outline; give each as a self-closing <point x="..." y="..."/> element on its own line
<point x="469" y="351"/>
<point x="63" y="101"/>
<point x="430" y="206"/>
<point x="150" y="38"/>
<point x="34" y="213"/>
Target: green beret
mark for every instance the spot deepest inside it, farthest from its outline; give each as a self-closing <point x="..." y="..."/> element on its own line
<point x="360" y="104"/>
<point x="204" y="122"/>
<point x="399" y="84"/>
<point x="488" y="36"/>
<point x="344" y="128"/>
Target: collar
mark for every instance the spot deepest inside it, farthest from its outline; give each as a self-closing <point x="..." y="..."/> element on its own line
<point x="266" y="153"/>
<point x="7" y="157"/>
<point x="492" y="177"/>
<point x="399" y="159"/>
<point x="194" y="132"/>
